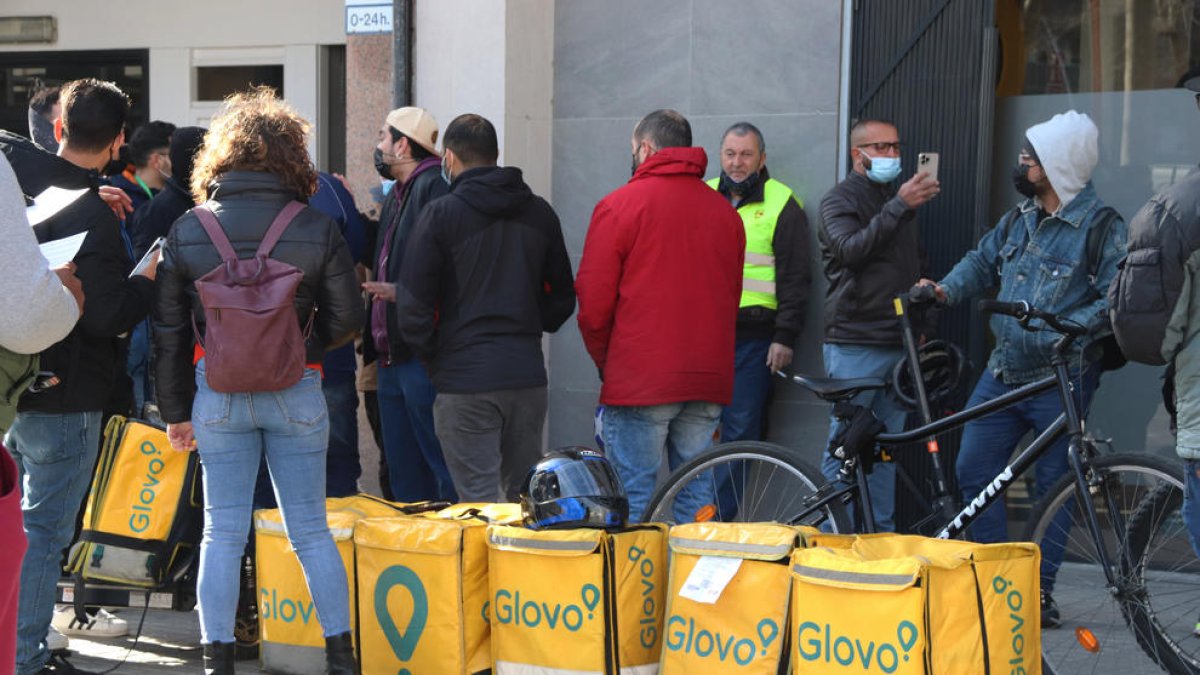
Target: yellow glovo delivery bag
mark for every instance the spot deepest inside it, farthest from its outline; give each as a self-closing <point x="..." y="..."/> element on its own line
<point x="292" y="640"/>
<point x="897" y="604"/>
<point x="578" y="601"/>
<point x="727" y="599"/>
<point x="423" y="590"/>
<point x="143" y="516"/>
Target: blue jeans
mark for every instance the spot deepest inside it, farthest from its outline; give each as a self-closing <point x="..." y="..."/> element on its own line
<point x="988" y="444"/>
<point x="634" y="438"/>
<point x="233" y="432"/>
<point x="742" y="419"/>
<point x="342" y="467"/>
<point x="1191" y="502"/>
<point x="55" y="454"/>
<point x="416" y="468"/>
<point x="137" y="365"/>
<point x="846" y="361"/>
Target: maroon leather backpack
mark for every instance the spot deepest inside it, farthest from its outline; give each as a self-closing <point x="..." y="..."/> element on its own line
<point x="252" y="341"/>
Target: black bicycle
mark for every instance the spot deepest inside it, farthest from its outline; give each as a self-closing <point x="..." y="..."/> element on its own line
<point x="1115" y="550"/>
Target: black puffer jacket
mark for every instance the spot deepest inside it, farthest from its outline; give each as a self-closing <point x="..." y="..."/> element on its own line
<point x="871" y="251"/>
<point x="245" y="203"/>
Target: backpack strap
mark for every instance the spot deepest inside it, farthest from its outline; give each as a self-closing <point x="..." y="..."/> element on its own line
<point x="275" y="231"/>
<point x="1101" y="226"/>
<point x="212" y="226"/>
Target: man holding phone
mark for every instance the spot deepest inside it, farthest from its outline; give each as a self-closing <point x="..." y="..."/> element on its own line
<point x="871" y="252"/>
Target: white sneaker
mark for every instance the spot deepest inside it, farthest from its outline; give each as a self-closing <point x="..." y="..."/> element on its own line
<point x="102" y="624"/>
<point x="56" y="641"/>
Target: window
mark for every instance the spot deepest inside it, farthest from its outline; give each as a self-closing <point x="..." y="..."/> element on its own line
<point x="214" y="83"/>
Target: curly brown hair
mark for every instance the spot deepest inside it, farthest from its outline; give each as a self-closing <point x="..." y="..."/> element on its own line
<point x="256" y="131"/>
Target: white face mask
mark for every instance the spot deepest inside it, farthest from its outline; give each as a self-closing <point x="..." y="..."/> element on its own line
<point x="446" y="171"/>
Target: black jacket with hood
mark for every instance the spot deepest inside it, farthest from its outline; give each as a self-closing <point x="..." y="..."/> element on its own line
<point x="245" y="203"/>
<point x="485" y="273"/>
<point x="90" y="360"/>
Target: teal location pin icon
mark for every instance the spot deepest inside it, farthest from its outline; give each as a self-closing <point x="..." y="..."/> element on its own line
<point x="591" y="597"/>
<point x="768" y="630"/>
<point x="403" y="644"/>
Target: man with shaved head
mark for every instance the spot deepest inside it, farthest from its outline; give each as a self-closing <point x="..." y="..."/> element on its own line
<point x="871" y="253"/>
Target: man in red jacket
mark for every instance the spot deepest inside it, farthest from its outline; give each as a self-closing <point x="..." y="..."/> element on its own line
<point x="658" y="292"/>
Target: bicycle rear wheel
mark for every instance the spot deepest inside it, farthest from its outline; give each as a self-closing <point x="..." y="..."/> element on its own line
<point x="748" y="481"/>
<point x="1095" y="635"/>
<point x="1166" y="614"/>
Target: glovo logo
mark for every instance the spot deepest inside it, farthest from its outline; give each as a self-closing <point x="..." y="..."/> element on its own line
<point x="683" y="635"/>
<point x="402" y="644"/>
<point x="287" y="610"/>
<point x="648" y="635"/>
<point x="513" y="609"/>
<point x="143" y="509"/>
<point x="1015" y="601"/>
<point x="819" y="643"/>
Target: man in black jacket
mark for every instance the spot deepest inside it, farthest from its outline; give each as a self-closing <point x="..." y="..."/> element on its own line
<point x="871" y="252"/>
<point x="155" y="217"/>
<point x="407" y="153"/>
<point x="56" y="435"/>
<point x="486" y="272"/>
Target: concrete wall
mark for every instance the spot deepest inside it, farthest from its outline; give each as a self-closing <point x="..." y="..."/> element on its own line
<point x="775" y="63"/>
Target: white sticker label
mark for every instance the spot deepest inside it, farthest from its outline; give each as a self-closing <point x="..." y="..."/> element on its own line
<point x="709" y="578"/>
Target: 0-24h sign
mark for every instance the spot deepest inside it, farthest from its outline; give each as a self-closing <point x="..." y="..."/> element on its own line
<point x="368" y="16"/>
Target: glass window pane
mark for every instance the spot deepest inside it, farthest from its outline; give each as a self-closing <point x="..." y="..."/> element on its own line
<point x="214" y="83"/>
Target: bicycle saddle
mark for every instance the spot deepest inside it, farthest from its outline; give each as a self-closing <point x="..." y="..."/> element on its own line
<point x="837" y="390"/>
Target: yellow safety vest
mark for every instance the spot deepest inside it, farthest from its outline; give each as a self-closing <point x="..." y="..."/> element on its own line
<point x="760" y="218"/>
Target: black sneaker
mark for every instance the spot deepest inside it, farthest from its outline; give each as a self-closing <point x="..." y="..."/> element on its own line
<point x="1050" y="618"/>
<point x="60" y="665"/>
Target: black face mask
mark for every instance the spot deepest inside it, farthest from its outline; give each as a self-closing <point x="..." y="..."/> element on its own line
<point x="743" y="188"/>
<point x="384" y="169"/>
<point x="1020" y="178"/>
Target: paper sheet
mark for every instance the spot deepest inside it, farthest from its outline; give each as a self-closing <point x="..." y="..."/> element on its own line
<point x="50" y="202"/>
<point x="62" y="251"/>
<point x="709" y="578"/>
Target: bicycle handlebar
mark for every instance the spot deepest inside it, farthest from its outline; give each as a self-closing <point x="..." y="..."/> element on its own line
<point x="1021" y="311"/>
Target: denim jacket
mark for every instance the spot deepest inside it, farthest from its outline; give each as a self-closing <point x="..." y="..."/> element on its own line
<point x="1045" y="264"/>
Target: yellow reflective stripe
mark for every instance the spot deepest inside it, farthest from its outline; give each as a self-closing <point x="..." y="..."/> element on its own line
<point x="758" y="286"/>
<point x="760" y="259"/>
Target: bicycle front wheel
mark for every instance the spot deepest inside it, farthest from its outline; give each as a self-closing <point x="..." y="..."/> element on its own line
<point x="747" y="481"/>
<point x="1094" y="633"/>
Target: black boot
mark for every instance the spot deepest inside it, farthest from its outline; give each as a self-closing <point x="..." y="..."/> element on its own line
<point x="339" y="655"/>
<point x="218" y="658"/>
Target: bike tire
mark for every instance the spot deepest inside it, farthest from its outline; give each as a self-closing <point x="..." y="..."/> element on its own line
<point x="774" y="486"/>
<point x="1158" y="547"/>
<point x="1088" y="608"/>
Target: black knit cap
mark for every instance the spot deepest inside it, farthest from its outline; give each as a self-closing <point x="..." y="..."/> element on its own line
<point x="1190" y="80"/>
<point x="185" y="143"/>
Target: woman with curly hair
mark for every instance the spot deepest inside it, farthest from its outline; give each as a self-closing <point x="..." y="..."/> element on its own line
<point x="252" y="167"/>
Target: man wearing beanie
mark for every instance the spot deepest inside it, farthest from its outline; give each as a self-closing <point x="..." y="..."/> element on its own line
<point x="1057" y="250"/>
<point x="154" y="218"/>
<point x="406" y="153"/>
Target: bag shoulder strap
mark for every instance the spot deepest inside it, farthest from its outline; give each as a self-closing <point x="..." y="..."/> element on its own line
<point x="275" y="231"/>
<point x="212" y="226"/>
<point x="1101" y="225"/>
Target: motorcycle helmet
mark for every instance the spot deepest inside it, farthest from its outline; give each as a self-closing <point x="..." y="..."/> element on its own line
<point x="942" y="368"/>
<point x="573" y="487"/>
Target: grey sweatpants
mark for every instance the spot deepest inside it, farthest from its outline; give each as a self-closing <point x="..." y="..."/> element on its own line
<point x="490" y="440"/>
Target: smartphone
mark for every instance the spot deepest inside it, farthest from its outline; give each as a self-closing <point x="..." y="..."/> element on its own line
<point x="144" y="263"/>
<point x="927" y="162"/>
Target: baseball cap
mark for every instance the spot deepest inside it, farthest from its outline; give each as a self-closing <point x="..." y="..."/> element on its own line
<point x="417" y="124"/>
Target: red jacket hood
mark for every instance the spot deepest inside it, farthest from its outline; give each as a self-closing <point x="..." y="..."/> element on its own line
<point x="673" y="162"/>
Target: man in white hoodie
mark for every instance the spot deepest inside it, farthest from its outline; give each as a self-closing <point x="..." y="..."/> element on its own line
<point x="1057" y="250"/>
